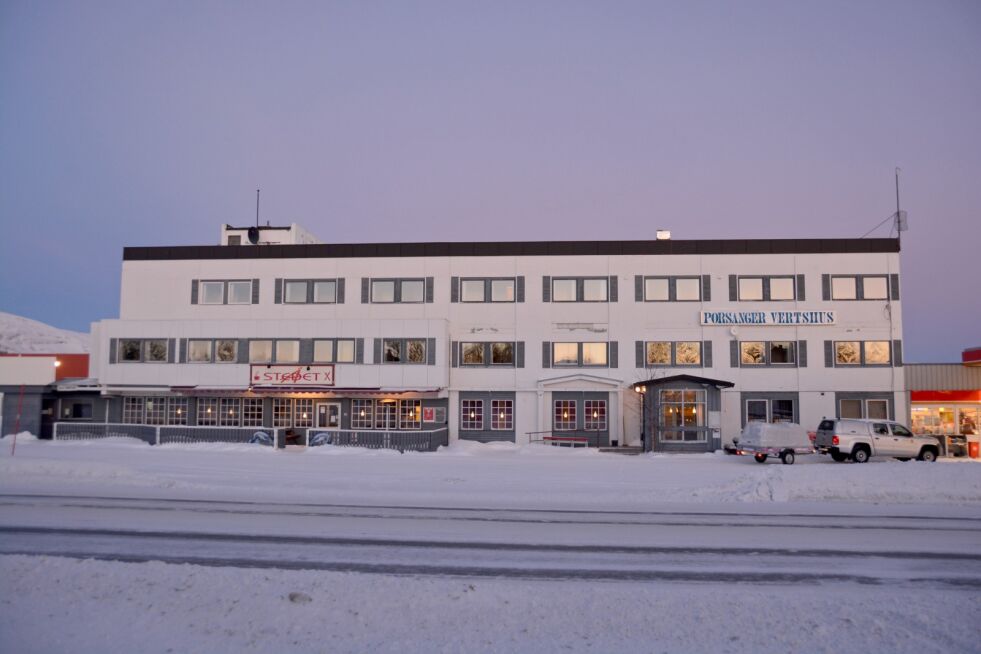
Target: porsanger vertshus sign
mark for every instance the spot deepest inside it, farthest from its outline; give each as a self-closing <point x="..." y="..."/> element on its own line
<point x="293" y="375"/>
<point x="781" y="318"/>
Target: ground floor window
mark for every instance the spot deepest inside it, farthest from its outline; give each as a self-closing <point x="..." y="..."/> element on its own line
<point x="945" y="420"/>
<point x="472" y="415"/>
<point x="362" y="414"/>
<point x="282" y="412"/>
<point x="502" y="415"/>
<point x="595" y="415"/>
<point x="230" y="412"/>
<point x="679" y="409"/>
<point x="303" y="414"/>
<point x="564" y="418"/>
<point x="156" y="410"/>
<point x="252" y="412"/>
<point x="410" y="414"/>
<point x="133" y="410"/>
<point x="208" y="411"/>
<point x="177" y="410"/>
<point x="769" y="410"/>
<point x="874" y="409"/>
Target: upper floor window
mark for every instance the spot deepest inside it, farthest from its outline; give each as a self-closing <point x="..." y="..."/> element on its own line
<point x="334" y="350"/>
<point x="404" y="350"/>
<point x="580" y="354"/>
<point x="142" y="350"/>
<point x="243" y="291"/>
<point x="260" y="351"/>
<point x="487" y="353"/>
<point x="311" y="291"/>
<point x="859" y="287"/>
<point x="765" y="288"/>
<point x="397" y="291"/>
<point x="672" y="289"/>
<point x="288" y="351"/>
<point x="862" y="353"/>
<point x="767" y="353"/>
<point x="673" y="353"/>
<point x="222" y="350"/>
<point x="579" y="289"/>
<point x="484" y="289"/>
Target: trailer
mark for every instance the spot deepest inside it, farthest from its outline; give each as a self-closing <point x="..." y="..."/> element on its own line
<point x="763" y="440"/>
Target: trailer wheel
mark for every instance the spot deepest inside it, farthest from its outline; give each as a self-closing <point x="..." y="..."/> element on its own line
<point x="788" y="458"/>
<point x="760" y="457"/>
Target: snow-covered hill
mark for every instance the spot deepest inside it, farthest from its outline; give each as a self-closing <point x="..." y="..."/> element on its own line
<point x="25" y="336"/>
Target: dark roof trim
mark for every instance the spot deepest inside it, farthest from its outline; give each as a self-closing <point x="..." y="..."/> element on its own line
<point x="513" y="249"/>
<point x="684" y="378"/>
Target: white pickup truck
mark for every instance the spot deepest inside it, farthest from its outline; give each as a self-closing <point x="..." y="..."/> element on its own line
<point x="858" y="440"/>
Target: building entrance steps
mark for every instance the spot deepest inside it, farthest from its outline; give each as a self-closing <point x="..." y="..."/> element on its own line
<point x="631" y="450"/>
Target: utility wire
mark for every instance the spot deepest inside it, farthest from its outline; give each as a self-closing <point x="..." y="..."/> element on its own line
<point x="891" y="216"/>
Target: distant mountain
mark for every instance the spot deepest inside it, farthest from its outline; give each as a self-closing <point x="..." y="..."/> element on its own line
<point x="25" y="336"/>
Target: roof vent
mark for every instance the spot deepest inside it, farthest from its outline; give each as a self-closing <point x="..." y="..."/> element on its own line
<point x="664" y="234"/>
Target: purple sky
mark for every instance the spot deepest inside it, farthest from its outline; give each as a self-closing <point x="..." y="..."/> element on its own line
<point x="144" y="123"/>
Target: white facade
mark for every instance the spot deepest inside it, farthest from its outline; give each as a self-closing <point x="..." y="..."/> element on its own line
<point x="156" y="303"/>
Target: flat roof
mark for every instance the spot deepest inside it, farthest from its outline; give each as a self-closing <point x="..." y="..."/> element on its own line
<point x="514" y="249"/>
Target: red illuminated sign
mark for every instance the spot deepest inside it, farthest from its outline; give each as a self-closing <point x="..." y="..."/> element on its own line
<point x="293" y="375"/>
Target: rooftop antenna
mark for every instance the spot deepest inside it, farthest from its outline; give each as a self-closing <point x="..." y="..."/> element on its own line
<point x="257" y="200"/>
<point x="899" y="221"/>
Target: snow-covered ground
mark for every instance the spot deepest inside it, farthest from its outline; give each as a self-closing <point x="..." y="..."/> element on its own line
<point x="711" y="519"/>
<point x="20" y="335"/>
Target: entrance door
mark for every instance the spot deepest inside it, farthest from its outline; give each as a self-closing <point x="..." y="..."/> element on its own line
<point x="329" y="415"/>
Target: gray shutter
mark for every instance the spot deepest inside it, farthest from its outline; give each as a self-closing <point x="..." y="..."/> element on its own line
<point x="171" y="349"/>
<point x="546" y="354"/>
<point x="454" y="289"/>
<point x="431" y="351"/>
<point x="829" y="361"/>
<point x="243" y="350"/>
<point x="614" y="354"/>
<point x="359" y="350"/>
<point x="194" y="291"/>
<point x="519" y="292"/>
<point x="638" y="288"/>
<point x="825" y="287"/>
<point x="706" y="354"/>
<point x="364" y="290"/>
<point x="278" y="291"/>
<point x="800" y="288"/>
<point x="639" y="354"/>
<point x="454" y="354"/>
<point x="897" y="353"/>
<point x="113" y="346"/>
<point x="183" y="351"/>
<point x="706" y="288"/>
<point x="546" y="289"/>
<point x="255" y="291"/>
<point x="309" y="284"/>
<point x="733" y="354"/>
<point x="672" y="289"/>
<point x="340" y="291"/>
<point x="801" y="354"/>
<point x="894" y="286"/>
<point x="429" y="290"/>
<point x="519" y="354"/>
<point x="766" y="289"/>
<point x="613" y="289"/>
<point x="732" y="288"/>
<point x="377" y="351"/>
<point x="306" y="350"/>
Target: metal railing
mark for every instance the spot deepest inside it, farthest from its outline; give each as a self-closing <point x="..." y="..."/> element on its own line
<point x="83" y="431"/>
<point x="403" y="441"/>
<point x="161" y="434"/>
<point x="566" y="438"/>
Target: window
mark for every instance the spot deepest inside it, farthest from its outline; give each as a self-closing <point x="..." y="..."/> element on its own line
<point x="199" y="351"/>
<point x="76" y="410"/>
<point x="393" y="351"/>
<point x="472" y="290"/>
<point x="339" y="350"/>
<point x="502" y="290"/>
<point x="260" y="351"/>
<point x="212" y="292"/>
<point x="875" y="288"/>
<point x="502" y="354"/>
<point x="673" y="353"/>
<point x="225" y="292"/>
<point x="323" y="351"/>
<point x="226" y="351"/>
<point x="757" y="411"/>
<point x="767" y="288"/>
<point x="481" y="353"/>
<point x="155" y="351"/>
<point x="304" y="291"/>
<point x="287" y="351"/>
<point x="862" y="353"/>
<point x="133" y="410"/>
<point x="770" y="410"/>
<point x="208" y="411"/>
<point x="594" y="290"/>
<point x="563" y="290"/>
<point x="132" y="350"/>
<point x="386" y="414"/>
<point x="177" y="410"/>
<point x="240" y="292"/>
<point x="408" y="291"/>
<point x="344" y="350"/>
<point x="472" y="354"/>
<point x="156" y="410"/>
<point x="229" y="412"/>
<point x="303" y="413"/>
<point x="282" y="412"/>
<point x="580" y="354"/>
<point x="844" y="288"/>
<point x="502" y="415"/>
<point x="581" y="289"/>
<point x="294" y="292"/>
<point x="877" y="409"/>
<point x="413" y="290"/>
<point x="872" y="408"/>
<point x="477" y="289"/>
<point x="252" y="412"/>
<point x="404" y="350"/>
<point x="859" y="287"/>
<point x="382" y="291"/>
<point x="595" y="415"/>
<point x="410" y="414"/>
<point x="672" y="289"/>
<point x="362" y="414"/>
<point x="681" y="415"/>
<point x="564" y="417"/>
<point x="472" y="415"/>
<point x="767" y="353"/>
<point x="325" y="292"/>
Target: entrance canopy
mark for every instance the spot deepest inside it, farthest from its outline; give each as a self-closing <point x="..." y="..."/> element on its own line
<point x="689" y="379"/>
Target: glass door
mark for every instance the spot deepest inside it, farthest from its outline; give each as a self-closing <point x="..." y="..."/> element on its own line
<point x="329" y="415"/>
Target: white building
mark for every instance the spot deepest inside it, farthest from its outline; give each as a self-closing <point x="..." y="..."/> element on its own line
<point x="507" y="341"/>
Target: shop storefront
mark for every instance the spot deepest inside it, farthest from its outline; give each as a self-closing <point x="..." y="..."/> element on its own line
<point x="945" y="402"/>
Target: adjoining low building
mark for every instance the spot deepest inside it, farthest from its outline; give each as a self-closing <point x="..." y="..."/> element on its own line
<point x="945" y="401"/>
<point x="37" y="390"/>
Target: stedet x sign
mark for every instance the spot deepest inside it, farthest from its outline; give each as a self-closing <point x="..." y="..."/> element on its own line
<point x="292" y="375"/>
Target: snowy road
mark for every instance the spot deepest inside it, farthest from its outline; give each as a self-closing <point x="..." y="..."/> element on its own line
<point x="669" y="545"/>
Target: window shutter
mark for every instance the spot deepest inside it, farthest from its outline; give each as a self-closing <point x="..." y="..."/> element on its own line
<point x="733" y="354"/>
<point x="519" y="354"/>
<point x="194" y="291"/>
<point x="733" y="291"/>
<point x="825" y="287"/>
<point x="364" y="290"/>
<point x="340" y="291"/>
<point x="358" y="350"/>
<point x="546" y="354"/>
<point x="454" y="289"/>
<point x="306" y="350"/>
<point x="454" y="354"/>
<point x="546" y="289"/>
<point x="639" y="354"/>
<point x="766" y="288"/>
<point x="638" y="288"/>
<point x="431" y="350"/>
<point x="519" y="291"/>
<point x="672" y="289"/>
<point x="278" y="291"/>
<point x="429" y="290"/>
<point x="255" y="291"/>
<point x="613" y="289"/>
<point x="183" y="351"/>
<point x="309" y="284"/>
<point x="800" y="288"/>
<point x="171" y="349"/>
<point x="829" y="354"/>
<point x="112" y="350"/>
<point x="377" y="351"/>
<point x="894" y="286"/>
<point x="706" y="354"/>
<point x="897" y="353"/>
<point x="706" y="288"/>
<point x="801" y="354"/>
<point x="243" y="350"/>
<point x="614" y="354"/>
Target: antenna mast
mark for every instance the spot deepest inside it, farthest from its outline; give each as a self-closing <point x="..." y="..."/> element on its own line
<point x="257" y="200"/>
<point x="900" y="221"/>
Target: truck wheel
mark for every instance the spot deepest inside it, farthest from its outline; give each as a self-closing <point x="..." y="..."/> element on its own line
<point x="839" y="457"/>
<point x="760" y="457"/>
<point x="927" y="455"/>
<point x="860" y="455"/>
<point x="787" y="458"/>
